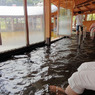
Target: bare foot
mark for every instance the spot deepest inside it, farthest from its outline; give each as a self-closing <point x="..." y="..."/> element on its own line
<point x="57" y="90"/>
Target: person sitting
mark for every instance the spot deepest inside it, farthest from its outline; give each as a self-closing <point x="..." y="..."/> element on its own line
<point x="92" y="31"/>
<point x="83" y="79"/>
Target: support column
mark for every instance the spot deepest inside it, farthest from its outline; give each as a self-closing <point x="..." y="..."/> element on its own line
<point x="0" y="39"/>
<point x="86" y="17"/>
<point x="47" y="13"/>
<point x="72" y="13"/>
<point x="58" y="16"/>
<point x="6" y="23"/>
<point x="32" y="23"/>
<point x="54" y="23"/>
<point x="71" y="21"/>
<point x="0" y="24"/>
<point x="12" y="24"/>
<point x="41" y="18"/>
<point x="16" y="24"/>
<point x="35" y="23"/>
<point x="26" y="22"/>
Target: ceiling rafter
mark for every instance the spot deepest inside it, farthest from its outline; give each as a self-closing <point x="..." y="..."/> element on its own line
<point x="86" y="11"/>
<point x="92" y="4"/>
<point x="88" y="2"/>
<point x="79" y="9"/>
<point x="87" y="8"/>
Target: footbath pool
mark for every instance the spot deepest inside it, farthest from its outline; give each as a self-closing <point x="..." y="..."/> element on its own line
<point x="32" y="72"/>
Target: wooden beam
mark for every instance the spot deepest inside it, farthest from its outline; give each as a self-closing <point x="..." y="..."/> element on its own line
<point x="47" y="13"/>
<point x="84" y="2"/>
<point x="87" y="8"/>
<point x="79" y="9"/>
<point x="92" y="4"/>
<point x="74" y="4"/>
<point x="85" y="12"/>
<point x="26" y="22"/>
<point x="54" y="14"/>
<point x="88" y="2"/>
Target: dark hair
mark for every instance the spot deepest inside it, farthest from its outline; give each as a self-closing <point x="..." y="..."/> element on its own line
<point x="79" y="12"/>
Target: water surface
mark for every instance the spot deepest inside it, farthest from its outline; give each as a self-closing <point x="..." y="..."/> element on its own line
<point x="32" y="73"/>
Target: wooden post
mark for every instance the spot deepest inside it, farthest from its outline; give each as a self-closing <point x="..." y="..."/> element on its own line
<point x="0" y="24"/>
<point x="58" y="16"/>
<point x="35" y="23"/>
<point x="54" y="23"/>
<point x="47" y="13"/>
<point x="32" y="23"/>
<point x="41" y="28"/>
<point x="26" y="22"/>
<point x="12" y="24"/>
<point x="6" y="23"/>
<point x="72" y="14"/>
<point x="85" y="17"/>
<point x="71" y="20"/>
<point x="0" y="39"/>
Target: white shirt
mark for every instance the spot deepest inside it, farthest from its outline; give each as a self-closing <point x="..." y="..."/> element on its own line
<point x="79" y="19"/>
<point x="84" y="78"/>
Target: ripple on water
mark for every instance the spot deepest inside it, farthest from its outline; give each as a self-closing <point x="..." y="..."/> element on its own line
<point x="33" y="72"/>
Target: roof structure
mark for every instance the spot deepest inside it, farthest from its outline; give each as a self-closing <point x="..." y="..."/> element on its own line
<point x="13" y="11"/>
<point x="86" y="6"/>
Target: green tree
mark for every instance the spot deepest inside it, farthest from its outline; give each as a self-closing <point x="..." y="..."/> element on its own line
<point x="19" y="2"/>
<point x="93" y="16"/>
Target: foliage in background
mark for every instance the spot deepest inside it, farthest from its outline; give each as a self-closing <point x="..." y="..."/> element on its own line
<point x="91" y="17"/>
<point x="18" y="2"/>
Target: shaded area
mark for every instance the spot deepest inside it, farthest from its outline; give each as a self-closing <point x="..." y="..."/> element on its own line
<point x="32" y="73"/>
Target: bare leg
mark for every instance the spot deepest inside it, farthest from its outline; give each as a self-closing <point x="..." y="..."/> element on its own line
<point x="77" y="32"/>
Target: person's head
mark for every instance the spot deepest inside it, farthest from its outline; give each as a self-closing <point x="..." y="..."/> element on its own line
<point x="79" y="12"/>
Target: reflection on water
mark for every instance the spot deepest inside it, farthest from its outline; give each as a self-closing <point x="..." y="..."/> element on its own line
<point x="13" y="40"/>
<point x="33" y="72"/>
